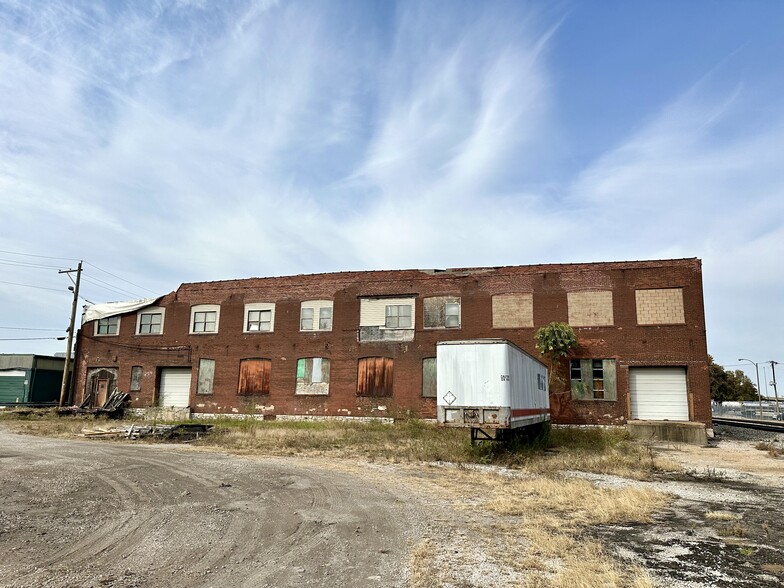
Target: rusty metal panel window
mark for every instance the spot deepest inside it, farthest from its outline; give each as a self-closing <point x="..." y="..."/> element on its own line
<point x="136" y="378"/>
<point x="206" y="376"/>
<point x="312" y="376"/>
<point x="374" y="376"/>
<point x="254" y="376"/>
<point x="429" y="388"/>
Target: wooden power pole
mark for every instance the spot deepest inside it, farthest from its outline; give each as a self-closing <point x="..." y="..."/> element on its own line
<point x="64" y="386"/>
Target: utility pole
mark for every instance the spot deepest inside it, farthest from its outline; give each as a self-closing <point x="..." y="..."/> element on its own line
<point x="759" y="390"/>
<point x="75" y="288"/>
<point x="775" y="391"/>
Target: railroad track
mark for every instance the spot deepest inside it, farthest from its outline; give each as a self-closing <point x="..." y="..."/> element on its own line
<point x="760" y="425"/>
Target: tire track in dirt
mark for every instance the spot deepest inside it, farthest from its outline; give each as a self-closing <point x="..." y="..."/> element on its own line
<point x="177" y="517"/>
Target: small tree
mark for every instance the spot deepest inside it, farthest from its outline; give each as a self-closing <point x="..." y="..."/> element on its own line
<point x="555" y="341"/>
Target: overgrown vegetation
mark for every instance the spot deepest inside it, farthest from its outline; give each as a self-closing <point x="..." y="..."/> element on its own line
<point x="772" y="449"/>
<point x="555" y="341"/>
<point x="606" y="451"/>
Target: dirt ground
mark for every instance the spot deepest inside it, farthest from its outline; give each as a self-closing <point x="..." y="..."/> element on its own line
<point x="90" y="514"/>
<point x="104" y="514"/>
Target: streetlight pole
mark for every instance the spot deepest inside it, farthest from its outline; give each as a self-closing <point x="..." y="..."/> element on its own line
<point x="64" y="385"/>
<point x="759" y="391"/>
<point x="775" y="391"/>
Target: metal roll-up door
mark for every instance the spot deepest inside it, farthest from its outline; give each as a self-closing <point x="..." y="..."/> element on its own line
<point x="175" y="389"/>
<point x="659" y="394"/>
<point x="12" y="386"/>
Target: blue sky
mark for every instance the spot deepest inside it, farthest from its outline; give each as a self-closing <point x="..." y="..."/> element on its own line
<point x="184" y="141"/>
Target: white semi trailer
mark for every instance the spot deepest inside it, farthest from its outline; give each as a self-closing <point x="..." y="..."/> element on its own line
<point x="491" y="386"/>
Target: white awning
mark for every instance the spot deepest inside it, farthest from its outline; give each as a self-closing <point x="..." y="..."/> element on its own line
<point x="99" y="311"/>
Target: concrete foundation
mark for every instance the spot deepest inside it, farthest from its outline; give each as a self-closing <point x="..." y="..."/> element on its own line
<point x="676" y="432"/>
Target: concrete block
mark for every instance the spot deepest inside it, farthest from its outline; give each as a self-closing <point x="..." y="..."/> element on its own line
<point x="675" y="432"/>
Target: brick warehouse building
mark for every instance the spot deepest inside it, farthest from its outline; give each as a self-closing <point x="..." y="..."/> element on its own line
<point x="364" y="343"/>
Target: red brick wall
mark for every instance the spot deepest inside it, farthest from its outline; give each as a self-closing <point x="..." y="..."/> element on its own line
<point x="625" y="341"/>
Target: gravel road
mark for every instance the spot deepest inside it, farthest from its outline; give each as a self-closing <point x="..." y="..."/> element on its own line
<point x="90" y="514"/>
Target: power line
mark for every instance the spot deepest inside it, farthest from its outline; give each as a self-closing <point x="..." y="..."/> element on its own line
<point x="41" y="256"/>
<point x="29" y="329"/>
<point x="36" y="339"/>
<point x="32" y="286"/>
<point x="13" y="263"/>
<point x="110" y="288"/>
<point x="119" y="278"/>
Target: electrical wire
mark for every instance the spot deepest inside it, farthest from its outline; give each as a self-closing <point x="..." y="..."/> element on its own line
<point x="41" y="256"/>
<point x="32" y="286"/>
<point x="29" y="329"/>
<point x="121" y="279"/>
<point x="13" y="263"/>
<point x="110" y="288"/>
<point x="35" y="339"/>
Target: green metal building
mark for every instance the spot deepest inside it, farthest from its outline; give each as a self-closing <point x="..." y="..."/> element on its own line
<point x="30" y="379"/>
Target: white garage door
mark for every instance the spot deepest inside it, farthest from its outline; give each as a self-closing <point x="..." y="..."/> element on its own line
<point x="659" y="394"/>
<point x="175" y="387"/>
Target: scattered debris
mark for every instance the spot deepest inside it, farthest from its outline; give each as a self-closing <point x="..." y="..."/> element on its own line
<point x="181" y="432"/>
<point x="114" y="407"/>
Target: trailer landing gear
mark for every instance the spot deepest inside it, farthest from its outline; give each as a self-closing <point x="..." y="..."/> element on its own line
<point x="478" y="434"/>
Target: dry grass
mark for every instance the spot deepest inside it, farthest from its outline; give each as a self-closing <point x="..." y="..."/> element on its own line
<point x="422" y="565"/>
<point x="719" y="515"/>
<point x="770" y="448"/>
<point x="584" y="503"/>
<point x="541" y="515"/>
<point x="544" y="519"/>
<point x="734" y="530"/>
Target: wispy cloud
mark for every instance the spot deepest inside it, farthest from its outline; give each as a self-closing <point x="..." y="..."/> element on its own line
<point x="201" y="140"/>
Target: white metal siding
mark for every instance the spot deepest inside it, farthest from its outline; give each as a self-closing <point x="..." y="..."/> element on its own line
<point x="659" y="394"/>
<point x="175" y="387"/>
<point x="490" y="374"/>
<point x="372" y="311"/>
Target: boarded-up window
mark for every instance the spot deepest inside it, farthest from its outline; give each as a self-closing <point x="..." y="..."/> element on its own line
<point x="661" y="306"/>
<point x="441" y="312"/>
<point x="206" y="376"/>
<point x="136" y="378"/>
<point x="429" y="388"/>
<point x="513" y="311"/>
<point x="255" y="376"/>
<point x="593" y="379"/>
<point x="374" y="376"/>
<point x="312" y="375"/>
<point x="590" y="309"/>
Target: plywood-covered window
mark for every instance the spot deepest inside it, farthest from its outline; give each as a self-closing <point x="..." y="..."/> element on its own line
<point x="593" y="379"/>
<point x="312" y="376"/>
<point x="429" y="383"/>
<point x="513" y="311"/>
<point x="374" y="376"/>
<point x="254" y="376"/>
<point x="206" y="376"/>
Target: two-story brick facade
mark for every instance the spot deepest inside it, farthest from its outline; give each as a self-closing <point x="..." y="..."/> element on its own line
<point x="363" y="343"/>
